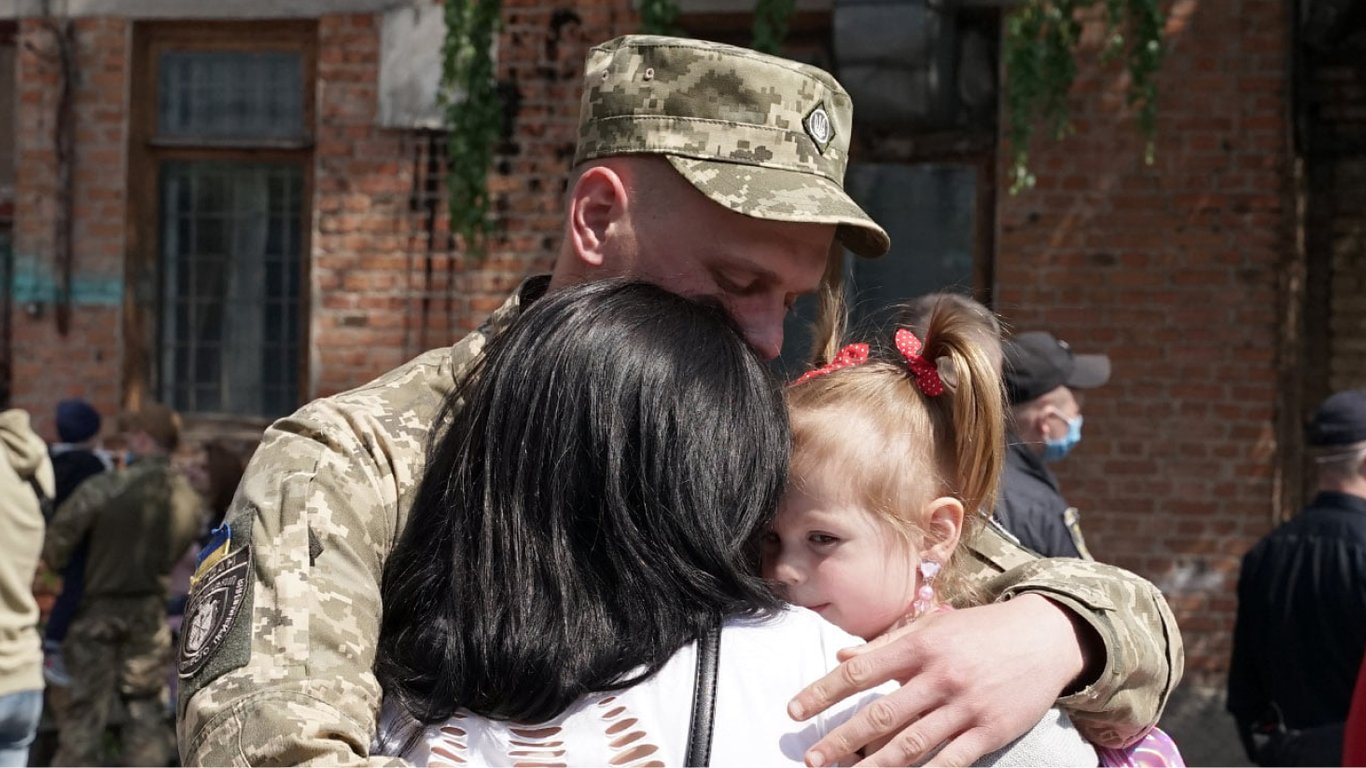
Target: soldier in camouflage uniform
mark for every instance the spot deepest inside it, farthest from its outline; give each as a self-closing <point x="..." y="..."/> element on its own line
<point x="139" y="522"/>
<point x="710" y="170"/>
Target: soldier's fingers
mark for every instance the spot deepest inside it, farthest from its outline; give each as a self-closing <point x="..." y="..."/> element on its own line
<point x="966" y="749"/>
<point x="873" y="724"/>
<point x="915" y="741"/>
<point x="859" y="673"/>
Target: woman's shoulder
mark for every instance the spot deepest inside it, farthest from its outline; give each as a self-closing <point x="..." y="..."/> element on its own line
<point x="1053" y="741"/>
<point x="791" y="636"/>
<point x="765" y="662"/>
<point x="790" y="620"/>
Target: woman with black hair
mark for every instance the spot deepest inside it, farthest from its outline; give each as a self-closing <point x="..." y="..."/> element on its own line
<point x="593" y="508"/>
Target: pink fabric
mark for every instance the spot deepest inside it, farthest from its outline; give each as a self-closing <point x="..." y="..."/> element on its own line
<point x="1155" y="750"/>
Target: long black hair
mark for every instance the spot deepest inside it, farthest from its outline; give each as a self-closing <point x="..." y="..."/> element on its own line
<point x="595" y="504"/>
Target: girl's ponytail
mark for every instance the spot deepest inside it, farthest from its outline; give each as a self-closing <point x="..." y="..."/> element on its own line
<point x="963" y="341"/>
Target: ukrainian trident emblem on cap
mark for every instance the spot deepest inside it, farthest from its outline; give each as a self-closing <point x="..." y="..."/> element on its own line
<point x="819" y="127"/>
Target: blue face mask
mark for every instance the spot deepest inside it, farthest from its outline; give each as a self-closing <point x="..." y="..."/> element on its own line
<point x="1055" y="449"/>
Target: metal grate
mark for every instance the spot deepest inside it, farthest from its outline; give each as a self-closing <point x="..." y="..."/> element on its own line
<point x="231" y="265"/>
<point x="230" y="95"/>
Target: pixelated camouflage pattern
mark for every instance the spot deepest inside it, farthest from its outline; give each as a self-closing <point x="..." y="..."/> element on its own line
<point x="734" y="122"/>
<point x="1144" y="653"/>
<point x="333" y="479"/>
<point x="117" y="646"/>
<point x="344" y="468"/>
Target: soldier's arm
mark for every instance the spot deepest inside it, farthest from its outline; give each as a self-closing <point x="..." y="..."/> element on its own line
<point x="73" y="519"/>
<point x="1136" y="658"/>
<point x="289" y="680"/>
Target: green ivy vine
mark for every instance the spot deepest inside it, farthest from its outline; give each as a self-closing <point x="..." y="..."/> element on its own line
<point x="472" y="122"/>
<point x="1040" y="53"/>
<point x="657" y="17"/>
<point x="771" y="18"/>
<point x="1041" y="39"/>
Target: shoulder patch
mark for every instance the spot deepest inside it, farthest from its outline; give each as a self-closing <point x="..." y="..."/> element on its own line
<point x="217" y="547"/>
<point x="1071" y="517"/>
<point x="216" y="602"/>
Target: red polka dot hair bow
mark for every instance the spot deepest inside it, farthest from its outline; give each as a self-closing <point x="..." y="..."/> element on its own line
<point x="852" y="354"/>
<point x="924" y="370"/>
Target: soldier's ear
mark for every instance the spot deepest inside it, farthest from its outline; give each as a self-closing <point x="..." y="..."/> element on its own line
<point x="597" y="214"/>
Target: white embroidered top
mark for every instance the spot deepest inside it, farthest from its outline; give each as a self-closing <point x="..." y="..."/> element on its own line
<point x="761" y="666"/>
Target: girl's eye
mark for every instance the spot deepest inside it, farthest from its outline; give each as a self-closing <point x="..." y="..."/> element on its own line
<point x="822" y="539"/>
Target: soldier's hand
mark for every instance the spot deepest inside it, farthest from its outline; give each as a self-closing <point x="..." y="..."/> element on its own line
<point x="972" y="680"/>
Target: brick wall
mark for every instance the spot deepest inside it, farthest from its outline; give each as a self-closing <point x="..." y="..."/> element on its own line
<point x="387" y="282"/>
<point x="1173" y="270"/>
<point x="1334" y="106"/>
<point x="87" y="361"/>
<point x="1347" y="233"/>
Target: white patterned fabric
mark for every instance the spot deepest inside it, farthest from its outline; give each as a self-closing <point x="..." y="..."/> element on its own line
<point x="762" y="665"/>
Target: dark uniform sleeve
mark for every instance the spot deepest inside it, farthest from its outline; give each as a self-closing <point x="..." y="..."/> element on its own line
<point x="1144" y="657"/>
<point x="1042" y="531"/>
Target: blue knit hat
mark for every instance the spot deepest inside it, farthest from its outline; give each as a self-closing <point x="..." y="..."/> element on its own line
<point x="77" y="421"/>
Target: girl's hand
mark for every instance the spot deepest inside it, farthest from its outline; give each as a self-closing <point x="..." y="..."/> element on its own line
<point x="973" y="680"/>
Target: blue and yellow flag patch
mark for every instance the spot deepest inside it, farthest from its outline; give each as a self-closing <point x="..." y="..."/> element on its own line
<point x="218" y="547"/>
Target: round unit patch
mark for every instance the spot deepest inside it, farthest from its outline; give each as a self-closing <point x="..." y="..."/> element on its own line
<point x="213" y="608"/>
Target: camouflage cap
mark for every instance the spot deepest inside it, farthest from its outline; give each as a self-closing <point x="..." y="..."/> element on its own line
<point x="763" y="136"/>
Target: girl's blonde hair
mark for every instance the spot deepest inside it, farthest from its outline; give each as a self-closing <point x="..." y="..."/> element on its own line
<point x="897" y="448"/>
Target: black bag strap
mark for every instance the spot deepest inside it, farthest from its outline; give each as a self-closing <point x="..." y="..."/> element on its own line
<point x="45" y="502"/>
<point x="704" y="697"/>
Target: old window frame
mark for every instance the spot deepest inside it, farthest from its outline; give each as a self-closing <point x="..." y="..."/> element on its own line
<point x="141" y="303"/>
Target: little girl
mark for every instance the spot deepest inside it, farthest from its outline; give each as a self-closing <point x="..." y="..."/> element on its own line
<point x="894" y="452"/>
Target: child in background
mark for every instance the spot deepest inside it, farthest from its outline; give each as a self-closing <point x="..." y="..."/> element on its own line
<point x="894" y="452"/>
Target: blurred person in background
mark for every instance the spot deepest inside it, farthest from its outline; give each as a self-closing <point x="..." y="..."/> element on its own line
<point x="1042" y="376"/>
<point x="74" y="460"/>
<point x="214" y="471"/>
<point x="25" y="483"/>
<point x="1301" y="626"/>
<point x="139" y="522"/>
<point x="223" y="468"/>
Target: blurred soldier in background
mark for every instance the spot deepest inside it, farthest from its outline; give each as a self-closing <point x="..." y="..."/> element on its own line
<point x="138" y="522"/>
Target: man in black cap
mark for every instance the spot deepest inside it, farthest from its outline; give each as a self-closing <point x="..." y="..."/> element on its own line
<point x="1041" y="376"/>
<point x="1301" y="626"/>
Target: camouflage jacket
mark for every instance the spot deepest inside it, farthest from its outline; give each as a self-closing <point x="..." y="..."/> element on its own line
<point x="139" y="520"/>
<point x="324" y="500"/>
